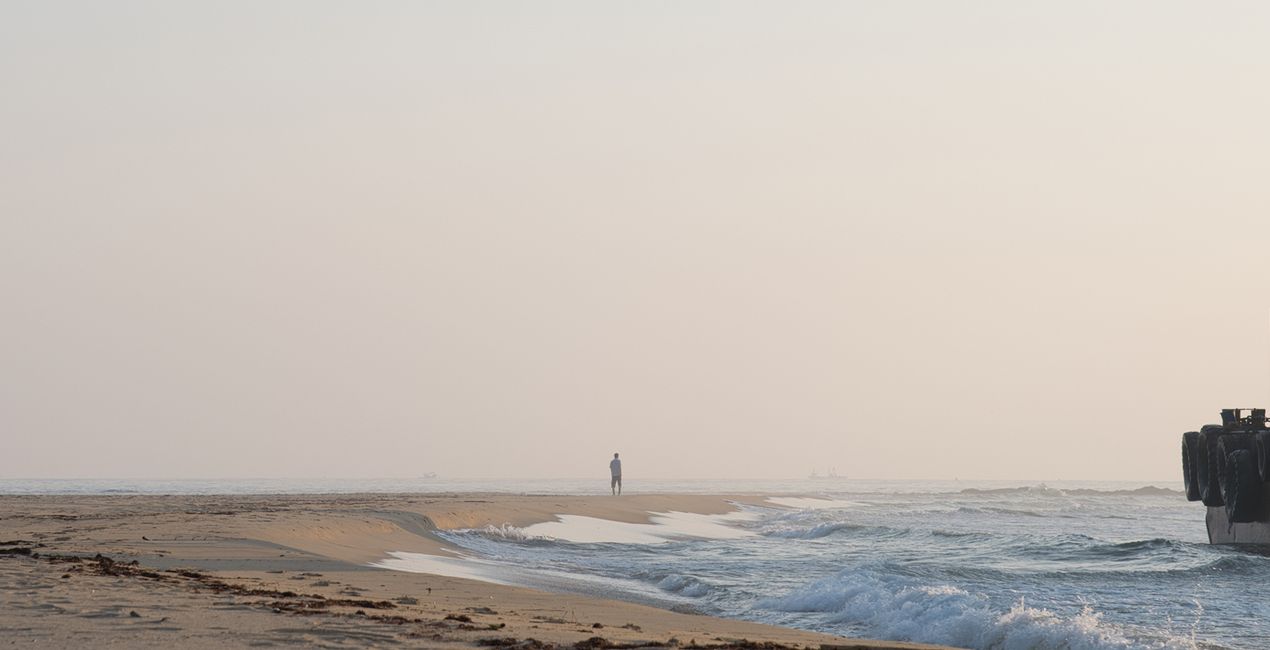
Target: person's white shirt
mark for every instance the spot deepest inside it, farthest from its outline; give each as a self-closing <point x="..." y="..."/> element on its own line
<point x="615" y="467"/>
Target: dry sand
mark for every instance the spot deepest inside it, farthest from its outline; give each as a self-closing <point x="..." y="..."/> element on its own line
<point x="289" y="570"/>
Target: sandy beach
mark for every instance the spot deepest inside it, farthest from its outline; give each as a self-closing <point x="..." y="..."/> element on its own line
<point x="291" y="570"/>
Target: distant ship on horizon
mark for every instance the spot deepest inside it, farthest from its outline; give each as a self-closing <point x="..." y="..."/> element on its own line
<point x="833" y="473"/>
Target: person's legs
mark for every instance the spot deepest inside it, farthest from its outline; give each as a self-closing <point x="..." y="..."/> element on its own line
<point x="619" y="485"/>
<point x="613" y="485"/>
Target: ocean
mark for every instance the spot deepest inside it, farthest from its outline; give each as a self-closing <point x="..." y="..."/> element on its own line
<point x="1000" y="565"/>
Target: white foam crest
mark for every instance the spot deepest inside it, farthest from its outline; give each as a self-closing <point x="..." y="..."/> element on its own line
<point x="506" y="532"/>
<point x="898" y="608"/>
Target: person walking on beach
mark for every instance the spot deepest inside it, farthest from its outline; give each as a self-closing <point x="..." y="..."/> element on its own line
<point x="615" y="468"/>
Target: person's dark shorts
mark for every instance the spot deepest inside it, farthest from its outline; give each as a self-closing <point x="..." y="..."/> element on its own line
<point x="617" y="480"/>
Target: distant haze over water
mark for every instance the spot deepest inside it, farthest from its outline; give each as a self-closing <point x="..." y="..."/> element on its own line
<point x="540" y="486"/>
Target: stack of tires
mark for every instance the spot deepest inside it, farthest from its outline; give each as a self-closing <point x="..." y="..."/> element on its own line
<point x="1225" y="468"/>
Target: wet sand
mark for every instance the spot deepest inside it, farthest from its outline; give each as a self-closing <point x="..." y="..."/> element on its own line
<point x="293" y="570"/>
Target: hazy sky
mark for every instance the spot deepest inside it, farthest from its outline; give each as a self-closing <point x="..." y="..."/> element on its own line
<point x="1009" y="239"/>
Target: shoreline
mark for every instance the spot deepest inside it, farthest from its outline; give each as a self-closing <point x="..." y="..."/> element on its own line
<point x="233" y="570"/>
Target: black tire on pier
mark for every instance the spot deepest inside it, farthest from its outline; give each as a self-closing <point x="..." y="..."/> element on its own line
<point x="1241" y="487"/>
<point x="1190" y="440"/>
<point x="1206" y="465"/>
<point x="1227" y="444"/>
<point x="1263" y="455"/>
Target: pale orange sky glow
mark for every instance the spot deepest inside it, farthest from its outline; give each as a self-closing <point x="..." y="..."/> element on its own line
<point x="1012" y="240"/>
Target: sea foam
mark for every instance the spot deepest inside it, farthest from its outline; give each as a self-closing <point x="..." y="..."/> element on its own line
<point x="665" y="527"/>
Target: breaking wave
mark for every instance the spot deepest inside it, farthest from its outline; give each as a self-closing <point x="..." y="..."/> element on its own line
<point x="893" y="607"/>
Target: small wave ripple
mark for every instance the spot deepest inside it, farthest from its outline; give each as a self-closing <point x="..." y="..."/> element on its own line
<point x="683" y="585"/>
<point x="1042" y="489"/>
<point x="813" y="532"/>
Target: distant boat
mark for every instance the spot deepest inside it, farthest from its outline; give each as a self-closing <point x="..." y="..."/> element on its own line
<point x="833" y="473"/>
<point x="428" y="475"/>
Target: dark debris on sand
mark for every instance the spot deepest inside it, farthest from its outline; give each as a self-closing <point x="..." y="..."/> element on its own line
<point x="600" y="643"/>
<point x="291" y="602"/>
